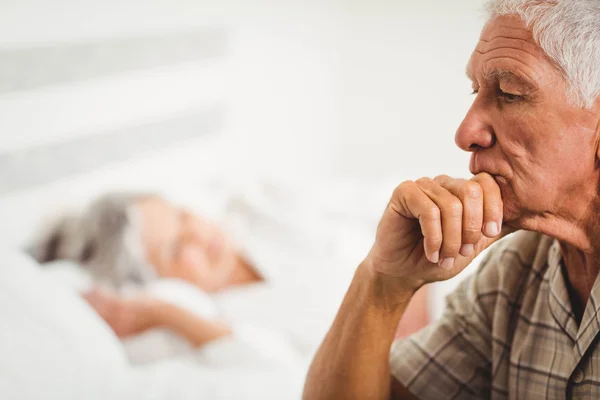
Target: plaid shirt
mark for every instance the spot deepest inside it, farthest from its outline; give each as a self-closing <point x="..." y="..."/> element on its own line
<point x="508" y="332"/>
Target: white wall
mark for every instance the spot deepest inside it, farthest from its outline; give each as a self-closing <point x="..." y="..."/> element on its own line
<point x="327" y="87"/>
<point x="285" y="103"/>
<point x="403" y="90"/>
<point x="355" y="88"/>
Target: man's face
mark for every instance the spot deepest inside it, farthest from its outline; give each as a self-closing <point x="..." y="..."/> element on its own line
<point x="182" y="245"/>
<point x="521" y="128"/>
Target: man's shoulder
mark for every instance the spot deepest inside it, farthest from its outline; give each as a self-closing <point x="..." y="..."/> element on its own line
<point x="523" y="249"/>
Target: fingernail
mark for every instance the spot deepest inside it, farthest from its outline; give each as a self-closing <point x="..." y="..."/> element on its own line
<point x="491" y="229"/>
<point x="447" y="263"/>
<point x="467" y="250"/>
<point x="435" y="257"/>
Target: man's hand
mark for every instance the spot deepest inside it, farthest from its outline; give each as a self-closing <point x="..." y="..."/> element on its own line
<point x="433" y="228"/>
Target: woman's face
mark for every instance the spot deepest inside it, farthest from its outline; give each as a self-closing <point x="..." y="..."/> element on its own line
<point x="182" y="245"/>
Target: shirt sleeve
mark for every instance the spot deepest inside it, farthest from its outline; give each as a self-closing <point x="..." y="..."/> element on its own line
<point x="451" y="358"/>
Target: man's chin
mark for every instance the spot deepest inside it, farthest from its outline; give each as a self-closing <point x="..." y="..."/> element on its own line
<point x="511" y="215"/>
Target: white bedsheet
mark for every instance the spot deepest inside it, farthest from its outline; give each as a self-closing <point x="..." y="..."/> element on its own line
<point x="54" y="346"/>
<point x="307" y="240"/>
<point x="277" y="325"/>
<point x="305" y="245"/>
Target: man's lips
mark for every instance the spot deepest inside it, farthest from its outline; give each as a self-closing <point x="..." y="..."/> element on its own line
<point x="482" y="171"/>
<point x="500" y="179"/>
<point x="479" y="164"/>
<point x="478" y="168"/>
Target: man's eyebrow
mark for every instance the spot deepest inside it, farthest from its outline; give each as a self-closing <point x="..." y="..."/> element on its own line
<point x="509" y="76"/>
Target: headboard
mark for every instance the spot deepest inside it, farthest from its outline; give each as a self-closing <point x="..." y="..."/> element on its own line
<point x="81" y="117"/>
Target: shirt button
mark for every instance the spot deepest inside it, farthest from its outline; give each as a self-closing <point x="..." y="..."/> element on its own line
<point x="578" y="376"/>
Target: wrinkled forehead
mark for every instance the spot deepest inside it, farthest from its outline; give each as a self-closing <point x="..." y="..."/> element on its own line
<point x="507" y="44"/>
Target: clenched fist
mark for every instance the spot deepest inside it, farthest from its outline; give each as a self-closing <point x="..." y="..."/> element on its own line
<point x="433" y="228"/>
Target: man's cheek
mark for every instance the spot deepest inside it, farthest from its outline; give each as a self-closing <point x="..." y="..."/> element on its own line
<point x="510" y="200"/>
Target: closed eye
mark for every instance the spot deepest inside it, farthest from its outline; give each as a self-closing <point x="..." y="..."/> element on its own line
<point x="509" y="97"/>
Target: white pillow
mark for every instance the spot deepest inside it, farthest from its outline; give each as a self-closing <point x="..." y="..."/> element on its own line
<point x="53" y="344"/>
<point x="68" y="274"/>
<point x="180" y="293"/>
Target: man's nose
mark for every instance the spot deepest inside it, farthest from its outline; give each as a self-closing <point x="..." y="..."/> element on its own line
<point x="475" y="132"/>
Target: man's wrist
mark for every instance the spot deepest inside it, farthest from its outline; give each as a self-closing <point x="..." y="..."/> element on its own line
<point x="387" y="292"/>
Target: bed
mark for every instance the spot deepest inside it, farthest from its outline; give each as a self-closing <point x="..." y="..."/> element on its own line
<point x="79" y="118"/>
<point x="149" y="112"/>
<point x="145" y="112"/>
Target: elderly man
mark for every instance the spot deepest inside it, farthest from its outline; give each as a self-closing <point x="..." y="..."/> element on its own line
<point x="526" y="324"/>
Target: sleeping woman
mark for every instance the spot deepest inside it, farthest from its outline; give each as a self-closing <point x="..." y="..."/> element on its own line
<point x="158" y="267"/>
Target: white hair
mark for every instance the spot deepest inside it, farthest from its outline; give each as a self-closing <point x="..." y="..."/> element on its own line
<point x="105" y="239"/>
<point x="568" y="31"/>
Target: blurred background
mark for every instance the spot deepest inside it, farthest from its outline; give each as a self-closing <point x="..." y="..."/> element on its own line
<point x="333" y="100"/>
<point x="108" y="94"/>
<point x="306" y="87"/>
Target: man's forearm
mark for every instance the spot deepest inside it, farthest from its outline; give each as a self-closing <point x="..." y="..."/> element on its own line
<point x="353" y="360"/>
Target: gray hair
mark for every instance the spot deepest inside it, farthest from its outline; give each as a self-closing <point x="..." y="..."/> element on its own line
<point x="568" y="31"/>
<point x="105" y="239"/>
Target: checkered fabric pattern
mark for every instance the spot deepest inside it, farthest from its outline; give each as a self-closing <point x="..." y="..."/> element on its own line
<point x="508" y="332"/>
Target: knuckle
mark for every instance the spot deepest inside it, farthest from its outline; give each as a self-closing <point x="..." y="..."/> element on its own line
<point x="484" y="176"/>
<point x="472" y="190"/>
<point x="435" y="239"/>
<point x="402" y="188"/>
<point x="487" y="182"/>
<point x="431" y="213"/>
<point x="471" y="230"/>
<point x="423" y="181"/>
<point x="454" y="207"/>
